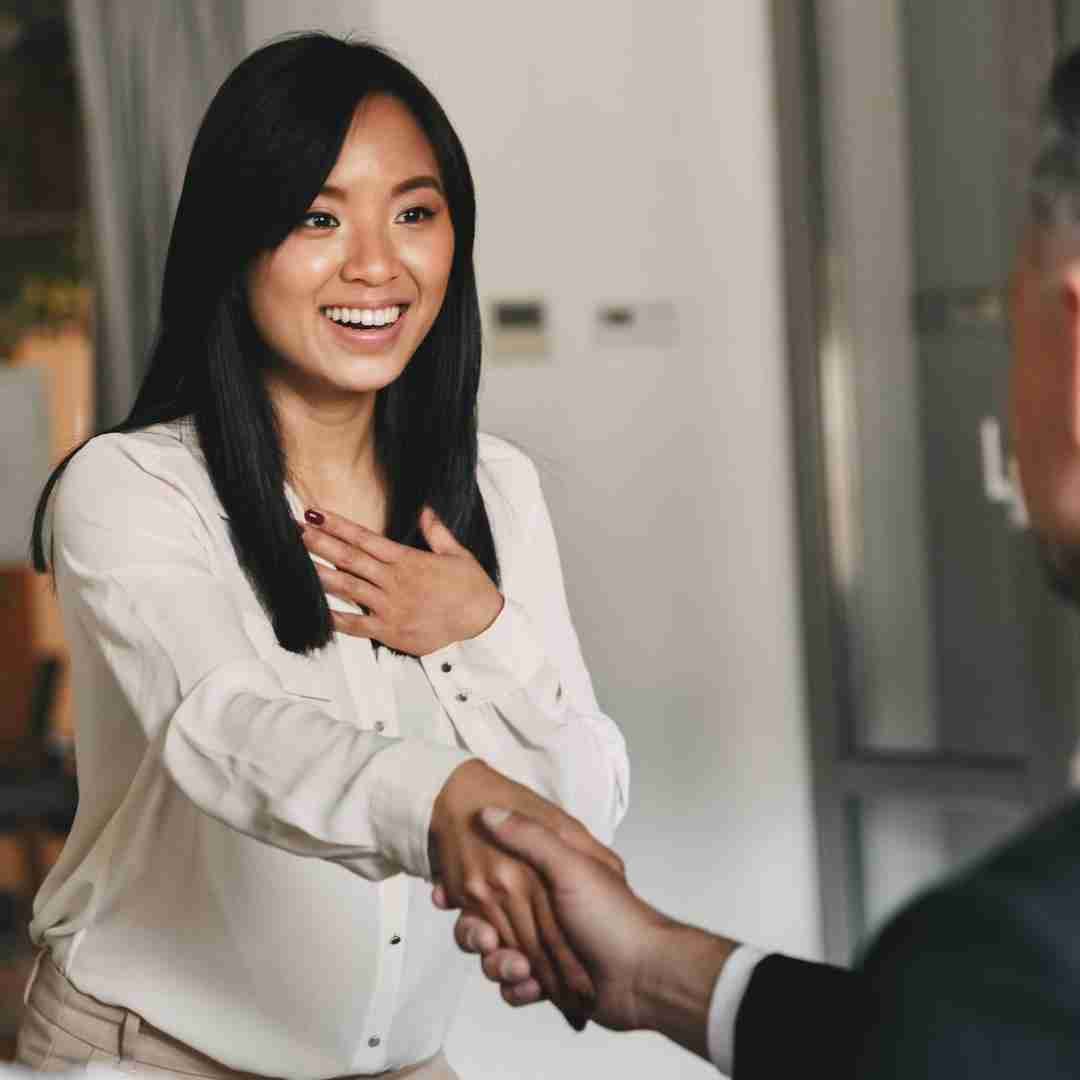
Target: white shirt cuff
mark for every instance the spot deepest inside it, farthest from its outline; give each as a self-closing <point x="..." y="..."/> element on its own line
<point x="724" y="1007"/>
<point x="500" y="660"/>
<point x="401" y="812"/>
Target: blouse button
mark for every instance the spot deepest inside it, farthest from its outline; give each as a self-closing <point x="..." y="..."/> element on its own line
<point x="395" y="940"/>
<point x="379" y="725"/>
<point x="374" y="1041"/>
<point x="447" y="666"/>
<point x="463" y="696"/>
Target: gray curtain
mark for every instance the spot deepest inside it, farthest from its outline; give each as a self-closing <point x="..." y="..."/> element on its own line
<point x="147" y="71"/>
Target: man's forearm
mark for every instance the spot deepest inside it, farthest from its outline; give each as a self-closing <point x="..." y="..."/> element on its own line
<point x="678" y="981"/>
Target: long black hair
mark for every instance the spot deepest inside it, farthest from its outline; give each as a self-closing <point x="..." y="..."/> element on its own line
<point x="265" y="147"/>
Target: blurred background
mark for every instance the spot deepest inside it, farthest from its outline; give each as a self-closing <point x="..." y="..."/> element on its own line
<point x="743" y="268"/>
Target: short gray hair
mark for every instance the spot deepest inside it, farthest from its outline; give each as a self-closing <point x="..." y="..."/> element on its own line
<point x="1054" y="189"/>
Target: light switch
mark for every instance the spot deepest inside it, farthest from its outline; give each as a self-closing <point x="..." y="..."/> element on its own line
<point x="649" y="322"/>
<point x="517" y="330"/>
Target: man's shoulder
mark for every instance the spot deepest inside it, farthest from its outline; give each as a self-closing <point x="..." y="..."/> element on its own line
<point x="1024" y="890"/>
<point x="988" y="956"/>
<point x="980" y="976"/>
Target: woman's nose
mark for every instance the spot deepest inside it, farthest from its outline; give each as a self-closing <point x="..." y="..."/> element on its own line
<point x="370" y="258"/>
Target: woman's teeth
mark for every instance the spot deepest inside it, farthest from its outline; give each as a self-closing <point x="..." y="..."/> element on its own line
<point x="363" y="316"/>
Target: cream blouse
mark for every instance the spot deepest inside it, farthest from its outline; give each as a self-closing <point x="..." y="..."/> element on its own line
<point x="246" y="870"/>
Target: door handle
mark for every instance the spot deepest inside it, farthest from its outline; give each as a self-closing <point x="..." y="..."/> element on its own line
<point x="1001" y="477"/>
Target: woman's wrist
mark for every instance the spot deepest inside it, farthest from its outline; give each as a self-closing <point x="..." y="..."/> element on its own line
<point x="445" y="811"/>
<point x="482" y="617"/>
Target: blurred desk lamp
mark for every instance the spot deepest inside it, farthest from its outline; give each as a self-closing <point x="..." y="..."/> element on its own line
<point x="24" y="458"/>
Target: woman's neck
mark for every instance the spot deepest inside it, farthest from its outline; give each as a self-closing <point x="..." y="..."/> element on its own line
<point x="330" y="455"/>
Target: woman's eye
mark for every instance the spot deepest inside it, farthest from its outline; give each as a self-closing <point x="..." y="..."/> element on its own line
<point x="415" y="214"/>
<point x="319" y="219"/>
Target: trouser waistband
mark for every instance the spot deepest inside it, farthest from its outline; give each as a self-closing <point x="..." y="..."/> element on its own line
<point x="125" y="1035"/>
<point x="79" y="1014"/>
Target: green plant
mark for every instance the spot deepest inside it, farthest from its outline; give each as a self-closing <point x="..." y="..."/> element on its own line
<point x="44" y="302"/>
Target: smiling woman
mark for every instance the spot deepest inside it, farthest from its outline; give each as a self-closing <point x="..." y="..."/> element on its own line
<point x="350" y="294"/>
<point x="318" y="621"/>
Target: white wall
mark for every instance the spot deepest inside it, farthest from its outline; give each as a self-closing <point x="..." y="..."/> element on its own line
<point x="623" y="151"/>
<point x="265" y="19"/>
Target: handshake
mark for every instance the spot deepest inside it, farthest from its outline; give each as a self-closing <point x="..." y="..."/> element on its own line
<point x="548" y="909"/>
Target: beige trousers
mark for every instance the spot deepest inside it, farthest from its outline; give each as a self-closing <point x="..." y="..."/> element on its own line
<point x="64" y="1029"/>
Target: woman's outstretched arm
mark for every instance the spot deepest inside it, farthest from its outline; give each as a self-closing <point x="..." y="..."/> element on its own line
<point x="136" y="562"/>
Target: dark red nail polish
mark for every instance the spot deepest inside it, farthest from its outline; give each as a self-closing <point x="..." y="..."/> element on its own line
<point x="314" y="517"/>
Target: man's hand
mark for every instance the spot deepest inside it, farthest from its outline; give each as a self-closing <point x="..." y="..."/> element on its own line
<point x="649" y="971"/>
<point x="479" y="876"/>
<point x="606" y="924"/>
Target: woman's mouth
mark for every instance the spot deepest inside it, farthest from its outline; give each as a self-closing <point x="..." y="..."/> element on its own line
<point x="365" y="330"/>
<point x="365" y="318"/>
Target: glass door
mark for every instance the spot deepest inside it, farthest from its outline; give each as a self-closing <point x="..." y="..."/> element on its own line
<point x="942" y="673"/>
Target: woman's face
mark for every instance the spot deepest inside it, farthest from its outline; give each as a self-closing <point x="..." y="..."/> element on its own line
<point x="345" y="299"/>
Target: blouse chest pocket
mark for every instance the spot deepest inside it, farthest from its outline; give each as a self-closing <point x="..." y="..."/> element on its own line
<point x="300" y="675"/>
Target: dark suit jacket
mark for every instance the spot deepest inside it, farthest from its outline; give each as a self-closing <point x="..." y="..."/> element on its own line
<point x="979" y="978"/>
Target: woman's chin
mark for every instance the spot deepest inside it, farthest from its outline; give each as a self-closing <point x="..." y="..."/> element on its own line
<point x="333" y="383"/>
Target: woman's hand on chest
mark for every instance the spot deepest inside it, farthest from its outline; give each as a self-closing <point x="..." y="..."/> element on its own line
<point x="414" y="601"/>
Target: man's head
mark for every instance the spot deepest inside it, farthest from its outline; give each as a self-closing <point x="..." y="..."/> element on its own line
<point x="1045" y="317"/>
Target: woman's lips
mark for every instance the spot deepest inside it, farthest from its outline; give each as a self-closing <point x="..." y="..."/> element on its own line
<point x="366" y="338"/>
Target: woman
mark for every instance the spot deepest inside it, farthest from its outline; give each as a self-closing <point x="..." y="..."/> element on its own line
<point x="276" y="718"/>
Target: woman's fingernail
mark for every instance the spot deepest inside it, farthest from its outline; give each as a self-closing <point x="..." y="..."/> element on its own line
<point x="314" y="517"/>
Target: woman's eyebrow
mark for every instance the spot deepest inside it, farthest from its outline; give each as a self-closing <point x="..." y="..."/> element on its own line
<point x="418" y="182"/>
<point x="412" y="184"/>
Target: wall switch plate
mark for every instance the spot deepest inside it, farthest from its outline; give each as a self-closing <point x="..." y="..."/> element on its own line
<point x="649" y="322"/>
<point x="517" y="330"/>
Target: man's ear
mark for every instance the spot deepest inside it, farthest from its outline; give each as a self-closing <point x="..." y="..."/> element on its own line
<point x="1069" y="330"/>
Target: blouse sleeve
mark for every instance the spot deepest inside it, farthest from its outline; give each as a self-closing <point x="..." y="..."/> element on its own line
<point x="528" y="667"/>
<point x="134" y="564"/>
